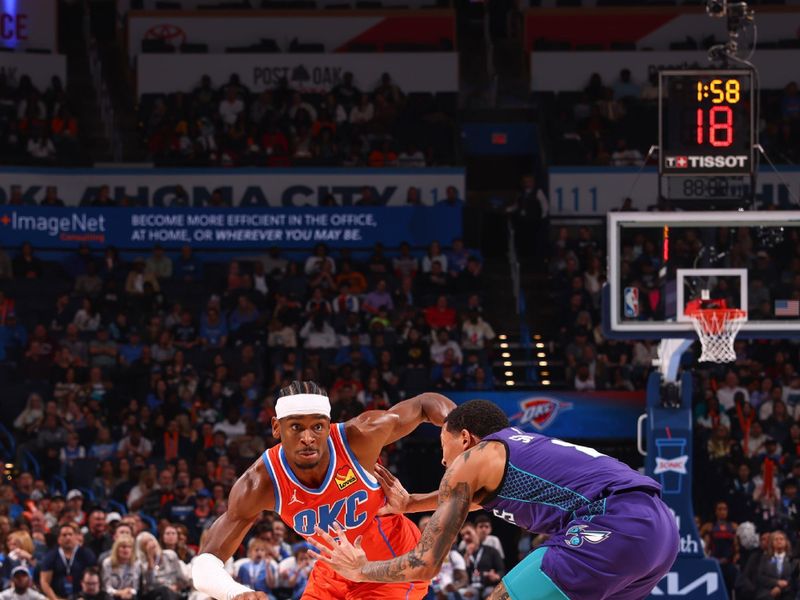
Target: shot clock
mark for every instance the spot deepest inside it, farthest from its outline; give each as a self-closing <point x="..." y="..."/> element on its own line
<point x="706" y="122"/>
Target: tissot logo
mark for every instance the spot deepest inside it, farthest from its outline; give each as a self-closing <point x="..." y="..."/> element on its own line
<point x="706" y="162"/>
<point x="677" y="162"/>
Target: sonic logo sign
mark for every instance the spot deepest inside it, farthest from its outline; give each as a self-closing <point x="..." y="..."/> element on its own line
<point x="540" y="411"/>
<point x="673" y="465"/>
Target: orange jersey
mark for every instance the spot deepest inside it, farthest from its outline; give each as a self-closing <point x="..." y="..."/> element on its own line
<point x="351" y="497"/>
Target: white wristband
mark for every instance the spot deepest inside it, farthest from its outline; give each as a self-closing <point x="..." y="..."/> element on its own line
<point x="209" y="576"/>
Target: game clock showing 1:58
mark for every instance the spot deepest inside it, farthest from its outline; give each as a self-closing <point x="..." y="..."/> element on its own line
<point x="706" y="122"/>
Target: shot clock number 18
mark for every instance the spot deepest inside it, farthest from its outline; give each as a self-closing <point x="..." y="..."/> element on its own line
<point x="706" y="122"/>
<point x="720" y="117"/>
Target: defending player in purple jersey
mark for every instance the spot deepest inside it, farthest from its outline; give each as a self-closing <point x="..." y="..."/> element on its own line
<point x="610" y="533"/>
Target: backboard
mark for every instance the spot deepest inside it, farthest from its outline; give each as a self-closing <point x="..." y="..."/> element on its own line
<point x="658" y="263"/>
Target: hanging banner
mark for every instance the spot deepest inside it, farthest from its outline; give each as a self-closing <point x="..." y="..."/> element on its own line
<point x="29" y="24"/>
<point x="239" y="229"/>
<point x="307" y="73"/>
<point x="335" y="31"/>
<point x="238" y="187"/>
<point x="654" y="28"/>
<point x="577" y="415"/>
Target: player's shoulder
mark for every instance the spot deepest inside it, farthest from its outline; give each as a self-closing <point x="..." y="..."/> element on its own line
<point x="253" y="492"/>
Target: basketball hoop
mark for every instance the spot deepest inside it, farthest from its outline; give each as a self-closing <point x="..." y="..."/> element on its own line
<point x="717" y="329"/>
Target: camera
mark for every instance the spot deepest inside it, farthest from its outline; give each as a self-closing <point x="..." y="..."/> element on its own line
<point x="716" y="8"/>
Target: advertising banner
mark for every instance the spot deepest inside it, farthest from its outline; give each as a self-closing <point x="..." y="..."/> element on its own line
<point x="314" y="73"/>
<point x="570" y="71"/>
<point x="651" y="28"/>
<point x="576" y="415"/>
<point x="273" y="187"/>
<point x="225" y="229"/>
<point x="335" y="31"/>
<point x="41" y="68"/>
<point x="29" y="24"/>
<point x="594" y="191"/>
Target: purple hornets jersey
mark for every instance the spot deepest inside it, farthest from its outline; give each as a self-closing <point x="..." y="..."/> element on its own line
<point x="549" y="482"/>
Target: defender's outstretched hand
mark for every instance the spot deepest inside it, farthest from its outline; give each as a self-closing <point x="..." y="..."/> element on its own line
<point x="396" y="494"/>
<point x="345" y="558"/>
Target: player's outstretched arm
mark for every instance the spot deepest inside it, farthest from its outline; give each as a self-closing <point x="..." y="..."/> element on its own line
<point x="399" y="501"/>
<point x="372" y="430"/>
<point x="250" y="495"/>
<point x="462" y="481"/>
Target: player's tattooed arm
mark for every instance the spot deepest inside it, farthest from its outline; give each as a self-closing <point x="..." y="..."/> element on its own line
<point x="424" y="561"/>
<point x="500" y="593"/>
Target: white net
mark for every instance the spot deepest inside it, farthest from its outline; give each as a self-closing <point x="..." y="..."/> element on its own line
<point x="717" y="329"/>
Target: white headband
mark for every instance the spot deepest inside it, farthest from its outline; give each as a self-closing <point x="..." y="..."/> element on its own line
<point x="303" y="404"/>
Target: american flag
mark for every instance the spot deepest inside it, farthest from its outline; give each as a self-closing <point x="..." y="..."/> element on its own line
<point x="787" y="308"/>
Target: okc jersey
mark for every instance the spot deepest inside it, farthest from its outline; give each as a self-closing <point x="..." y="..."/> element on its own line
<point x="548" y="482"/>
<point x="351" y="497"/>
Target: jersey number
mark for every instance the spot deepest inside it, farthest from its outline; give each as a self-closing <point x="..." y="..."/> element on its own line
<point x="585" y="449"/>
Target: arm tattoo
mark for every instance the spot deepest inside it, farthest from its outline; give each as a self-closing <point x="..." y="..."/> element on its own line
<point x="477" y="448"/>
<point x="436" y="540"/>
<point x="500" y="593"/>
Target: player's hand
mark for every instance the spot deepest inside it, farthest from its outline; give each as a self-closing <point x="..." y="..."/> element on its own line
<point x="251" y="596"/>
<point x="343" y="557"/>
<point x="396" y="495"/>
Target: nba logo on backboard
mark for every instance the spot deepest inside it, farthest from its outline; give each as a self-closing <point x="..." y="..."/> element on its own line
<point x="541" y="411"/>
<point x="632" y="302"/>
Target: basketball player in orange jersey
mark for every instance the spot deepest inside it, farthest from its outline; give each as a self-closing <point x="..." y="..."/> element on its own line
<point x="321" y="475"/>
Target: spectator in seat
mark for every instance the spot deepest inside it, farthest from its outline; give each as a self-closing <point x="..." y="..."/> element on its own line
<point x="213" y="329"/>
<point x="383" y="156"/>
<point x="441" y="345"/>
<point x="625" y="87"/>
<point x="776" y="576"/>
<point x="405" y="265"/>
<point x="92" y="586"/>
<point x="451" y="198"/>
<point x="318" y="334"/>
<point x="138" y="277"/>
<point x="484" y="565"/>
<point x="20" y="554"/>
<point x="163" y="575"/>
<point x="411" y="157"/>
<point x="434" y="255"/>
<point x="378" y="299"/>
<point x="389" y="90"/>
<point x="361" y="115"/>
<point x="298" y="106"/>
<point x="187" y="267"/>
<point x="345" y="302"/>
<point x="64" y="127"/>
<point x="26" y="265"/>
<point x="40" y="147"/>
<point x="230" y="107"/>
<point x="790" y="102"/>
<point x="435" y="281"/>
<point x="441" y="315"/>
<point x="476" y="334"/>
<point x="258" y="571"/>
<point x="314" y="263"/>
<point x="121" y="572"/>
<point x="624" y="156"/>
<point x="726" y="392"/>
<point x="56" y="579"/>
<point x="21" y="586"/>
<point x="346" y="92"/>
<point x="355" y="279"/>
<point x="159" y="264"/>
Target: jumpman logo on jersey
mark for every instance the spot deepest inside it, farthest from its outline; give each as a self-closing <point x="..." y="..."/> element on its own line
<point x="294" y="498"/>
